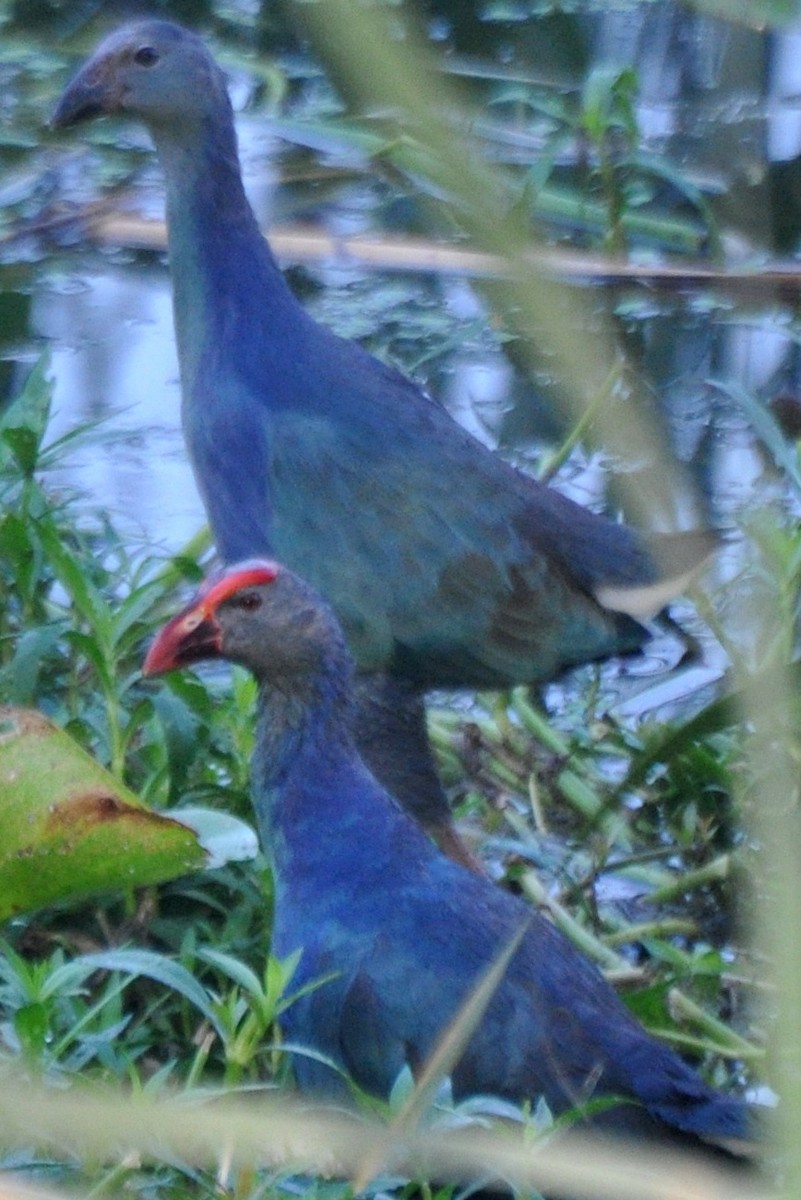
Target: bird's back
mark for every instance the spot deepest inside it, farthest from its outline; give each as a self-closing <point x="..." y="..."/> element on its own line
<point x="407" y="935"/>
<point x="461" y="571"/>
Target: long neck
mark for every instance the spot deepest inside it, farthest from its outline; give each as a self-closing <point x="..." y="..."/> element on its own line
<point x="227" y="286"/>
<point x="320" y="811"/>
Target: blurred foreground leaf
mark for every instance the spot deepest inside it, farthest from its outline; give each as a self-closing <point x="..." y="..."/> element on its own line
<point x="68" y="828"/>
<point x="287" y="1135"/>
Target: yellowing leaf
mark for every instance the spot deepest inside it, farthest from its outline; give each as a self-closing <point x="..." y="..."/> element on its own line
<point x="68" y="828"/>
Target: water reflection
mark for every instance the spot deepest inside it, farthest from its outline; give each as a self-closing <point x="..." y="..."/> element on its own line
<point x="114" y="362"/>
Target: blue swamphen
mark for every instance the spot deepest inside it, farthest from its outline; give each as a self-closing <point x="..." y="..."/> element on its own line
<point x="461" y="571"/>
<point x="405" y="932"/>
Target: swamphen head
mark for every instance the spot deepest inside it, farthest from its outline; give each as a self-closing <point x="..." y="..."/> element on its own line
<point x="142" y="70"/>
<point x="261" y="615"/>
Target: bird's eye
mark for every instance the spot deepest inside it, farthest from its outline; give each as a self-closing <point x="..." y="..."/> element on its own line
<point x="248" y="601"/>
<point x="146" y="56"/>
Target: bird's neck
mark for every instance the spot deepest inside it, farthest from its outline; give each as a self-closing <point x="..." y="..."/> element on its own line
<point x="316" y="802"/>
<point x="226" y="283"/>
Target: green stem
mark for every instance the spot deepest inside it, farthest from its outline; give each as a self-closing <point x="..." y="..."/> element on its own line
<point x="200" y="1059"/>
<point x="111" y="1181"/>
<point x="667" y="927"/>
<point x="684" y="1009"/>
<point x="578" y="934"/>
<point x="718" y="868"/>
<point x="551" y="463"/>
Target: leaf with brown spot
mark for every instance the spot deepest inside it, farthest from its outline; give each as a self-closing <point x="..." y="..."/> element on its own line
<point x="68" y="828"/>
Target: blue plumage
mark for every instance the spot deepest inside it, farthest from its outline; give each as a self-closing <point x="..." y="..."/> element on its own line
<point x="460" y="571"/>
<point x="445" y="566"/>
<point x="406" y="932"/>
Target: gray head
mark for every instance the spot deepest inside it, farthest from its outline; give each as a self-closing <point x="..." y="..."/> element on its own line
<point x="152" y="70"/>
<point x="261" y="615"/>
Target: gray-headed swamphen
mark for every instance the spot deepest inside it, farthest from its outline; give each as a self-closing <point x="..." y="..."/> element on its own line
<point x="460" y="570"/>
<point x="400" y="933"/>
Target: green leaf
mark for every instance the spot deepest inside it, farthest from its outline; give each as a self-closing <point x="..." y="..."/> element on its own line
<point x="608" y="101"/>
<point x="236" y="970"/>
<point x="160" y="968"/>
<point x="72" y="573"/>
<point x="23" y="424"/>
<point x="68" y="828"/>
<point x="31" y="1027"/>
<point x="20" y="677"/>
<point x="17" y="549"/>
<point x="132" y="610"/>
<point x="24" y="445"/>
<point x="88" y="645"/>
